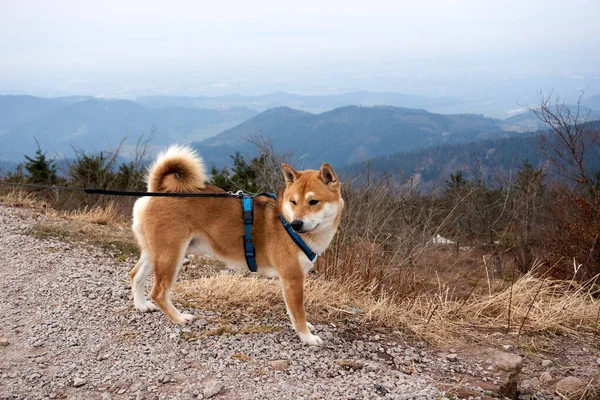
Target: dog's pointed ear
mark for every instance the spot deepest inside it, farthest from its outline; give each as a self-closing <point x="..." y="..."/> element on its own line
<point x="289" y="174"/>
<point x="327" y="175"/>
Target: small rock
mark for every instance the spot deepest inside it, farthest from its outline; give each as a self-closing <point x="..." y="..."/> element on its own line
<point x="4" y="342"/>
<point x="507" y="347"/>
<point x="33" y="376"/>
<point x="77" y="382"/>
<point x="534" y="382"/>
<point x="546" y="363"/>
<point x="452" y="357"/>
<point x="598" y="361"/>
<point x="380" y="390"/>
<point x="279" y="365"/>
<point x="507" y="367"/>
<point x="570" y="384"/>
<point x="212" y="389"/>
<point x="545" y="377"/>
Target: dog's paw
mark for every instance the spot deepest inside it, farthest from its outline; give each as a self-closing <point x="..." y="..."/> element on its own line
<point x="311" y="327"/>
<point x="146" y="307"/>
<point x="310" y="339"/>
<point x="183" y="318"/>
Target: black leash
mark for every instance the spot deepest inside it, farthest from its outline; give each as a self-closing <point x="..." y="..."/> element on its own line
<point x="108" y="192"/>
<point x="91" y="190"/>
<point x="34" y="186"/>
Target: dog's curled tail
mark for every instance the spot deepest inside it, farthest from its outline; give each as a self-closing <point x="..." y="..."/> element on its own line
<point x="179" y="169"/>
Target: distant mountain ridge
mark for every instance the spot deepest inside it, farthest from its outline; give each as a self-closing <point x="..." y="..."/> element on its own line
<point x="93" y="123"/>
<point x="491" y="158"/>
<point x="349" y="134"/>
<point x="310" y="103"/>
<point x="527" y="121"/>
<point x="592" y="102"/>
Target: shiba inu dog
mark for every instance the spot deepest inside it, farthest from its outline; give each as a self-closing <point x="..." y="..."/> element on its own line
<point x="168" y="228"/>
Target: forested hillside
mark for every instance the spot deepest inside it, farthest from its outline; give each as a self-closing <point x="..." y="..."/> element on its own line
<point x="350" y="134"/>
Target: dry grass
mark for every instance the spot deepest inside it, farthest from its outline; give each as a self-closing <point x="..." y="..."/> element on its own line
<point x="118" y="242"/>
<point x="531" y="305"/>
<point x="21" y="198"/>
<point x="109" y="215"/>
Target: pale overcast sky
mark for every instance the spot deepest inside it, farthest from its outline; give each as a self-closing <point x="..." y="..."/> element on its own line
<point x="128" y="48"/>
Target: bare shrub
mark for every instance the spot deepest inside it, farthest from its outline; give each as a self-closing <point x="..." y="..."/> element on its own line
<point x="572" y="144"/>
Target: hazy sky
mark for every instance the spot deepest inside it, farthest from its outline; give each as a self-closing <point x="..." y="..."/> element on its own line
<point x="128" y="48"/>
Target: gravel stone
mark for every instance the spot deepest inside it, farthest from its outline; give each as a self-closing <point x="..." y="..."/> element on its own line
<point x="546" y="363"/>
<point x="212" y="389"/>
<point x="545" y="377"/>
<point x="279" y="365"/>
<point x="77" y="382"/>
<point x="570" y="384"/>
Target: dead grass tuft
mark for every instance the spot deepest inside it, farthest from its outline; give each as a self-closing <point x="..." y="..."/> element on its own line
<point x="21" y="198"/>
<point x="108" y="215"/>
<point x="533" y="304"/>
<point x="118" y="242"/>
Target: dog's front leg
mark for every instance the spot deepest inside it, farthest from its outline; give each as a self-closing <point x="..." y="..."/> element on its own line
<point x="293" y="295"/>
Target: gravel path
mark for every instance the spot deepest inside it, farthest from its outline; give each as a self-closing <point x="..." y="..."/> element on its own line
<point x="67" y="314"/>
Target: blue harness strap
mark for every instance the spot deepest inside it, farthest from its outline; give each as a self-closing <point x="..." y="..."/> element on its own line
<point x="297" y="239"/>
<point x="248" y="216"/>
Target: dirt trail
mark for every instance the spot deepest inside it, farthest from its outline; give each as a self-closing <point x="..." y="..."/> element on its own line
<point x="72" y="332"/>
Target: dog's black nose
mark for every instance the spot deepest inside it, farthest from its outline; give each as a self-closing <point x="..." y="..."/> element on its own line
<point x="297" y="224"/>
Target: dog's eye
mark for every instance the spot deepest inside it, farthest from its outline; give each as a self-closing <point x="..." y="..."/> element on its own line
<point x="293" y="202"/>
<point x="313" y="202"/>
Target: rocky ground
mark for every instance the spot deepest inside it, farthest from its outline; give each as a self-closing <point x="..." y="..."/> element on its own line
<point x="68" y="330"/>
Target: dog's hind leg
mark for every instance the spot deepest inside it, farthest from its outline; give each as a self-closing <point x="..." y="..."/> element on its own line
<point x="138" y="276"/>
<point x="293" y="294"/>
<point x="166" y="266"/>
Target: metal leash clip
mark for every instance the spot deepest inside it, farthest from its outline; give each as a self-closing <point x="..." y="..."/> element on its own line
<point x="239" y="193"/>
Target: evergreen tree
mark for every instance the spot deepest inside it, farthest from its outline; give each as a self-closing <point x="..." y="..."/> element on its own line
<point x="220" y="178"/>
<point x="129" y="178"/>
<point x="40" y="169"/>
<point x="243" y="175"/>
<point x="92" y="170"/>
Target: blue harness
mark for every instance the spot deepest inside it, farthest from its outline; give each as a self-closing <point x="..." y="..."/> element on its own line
<point x="248" y="216"/>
